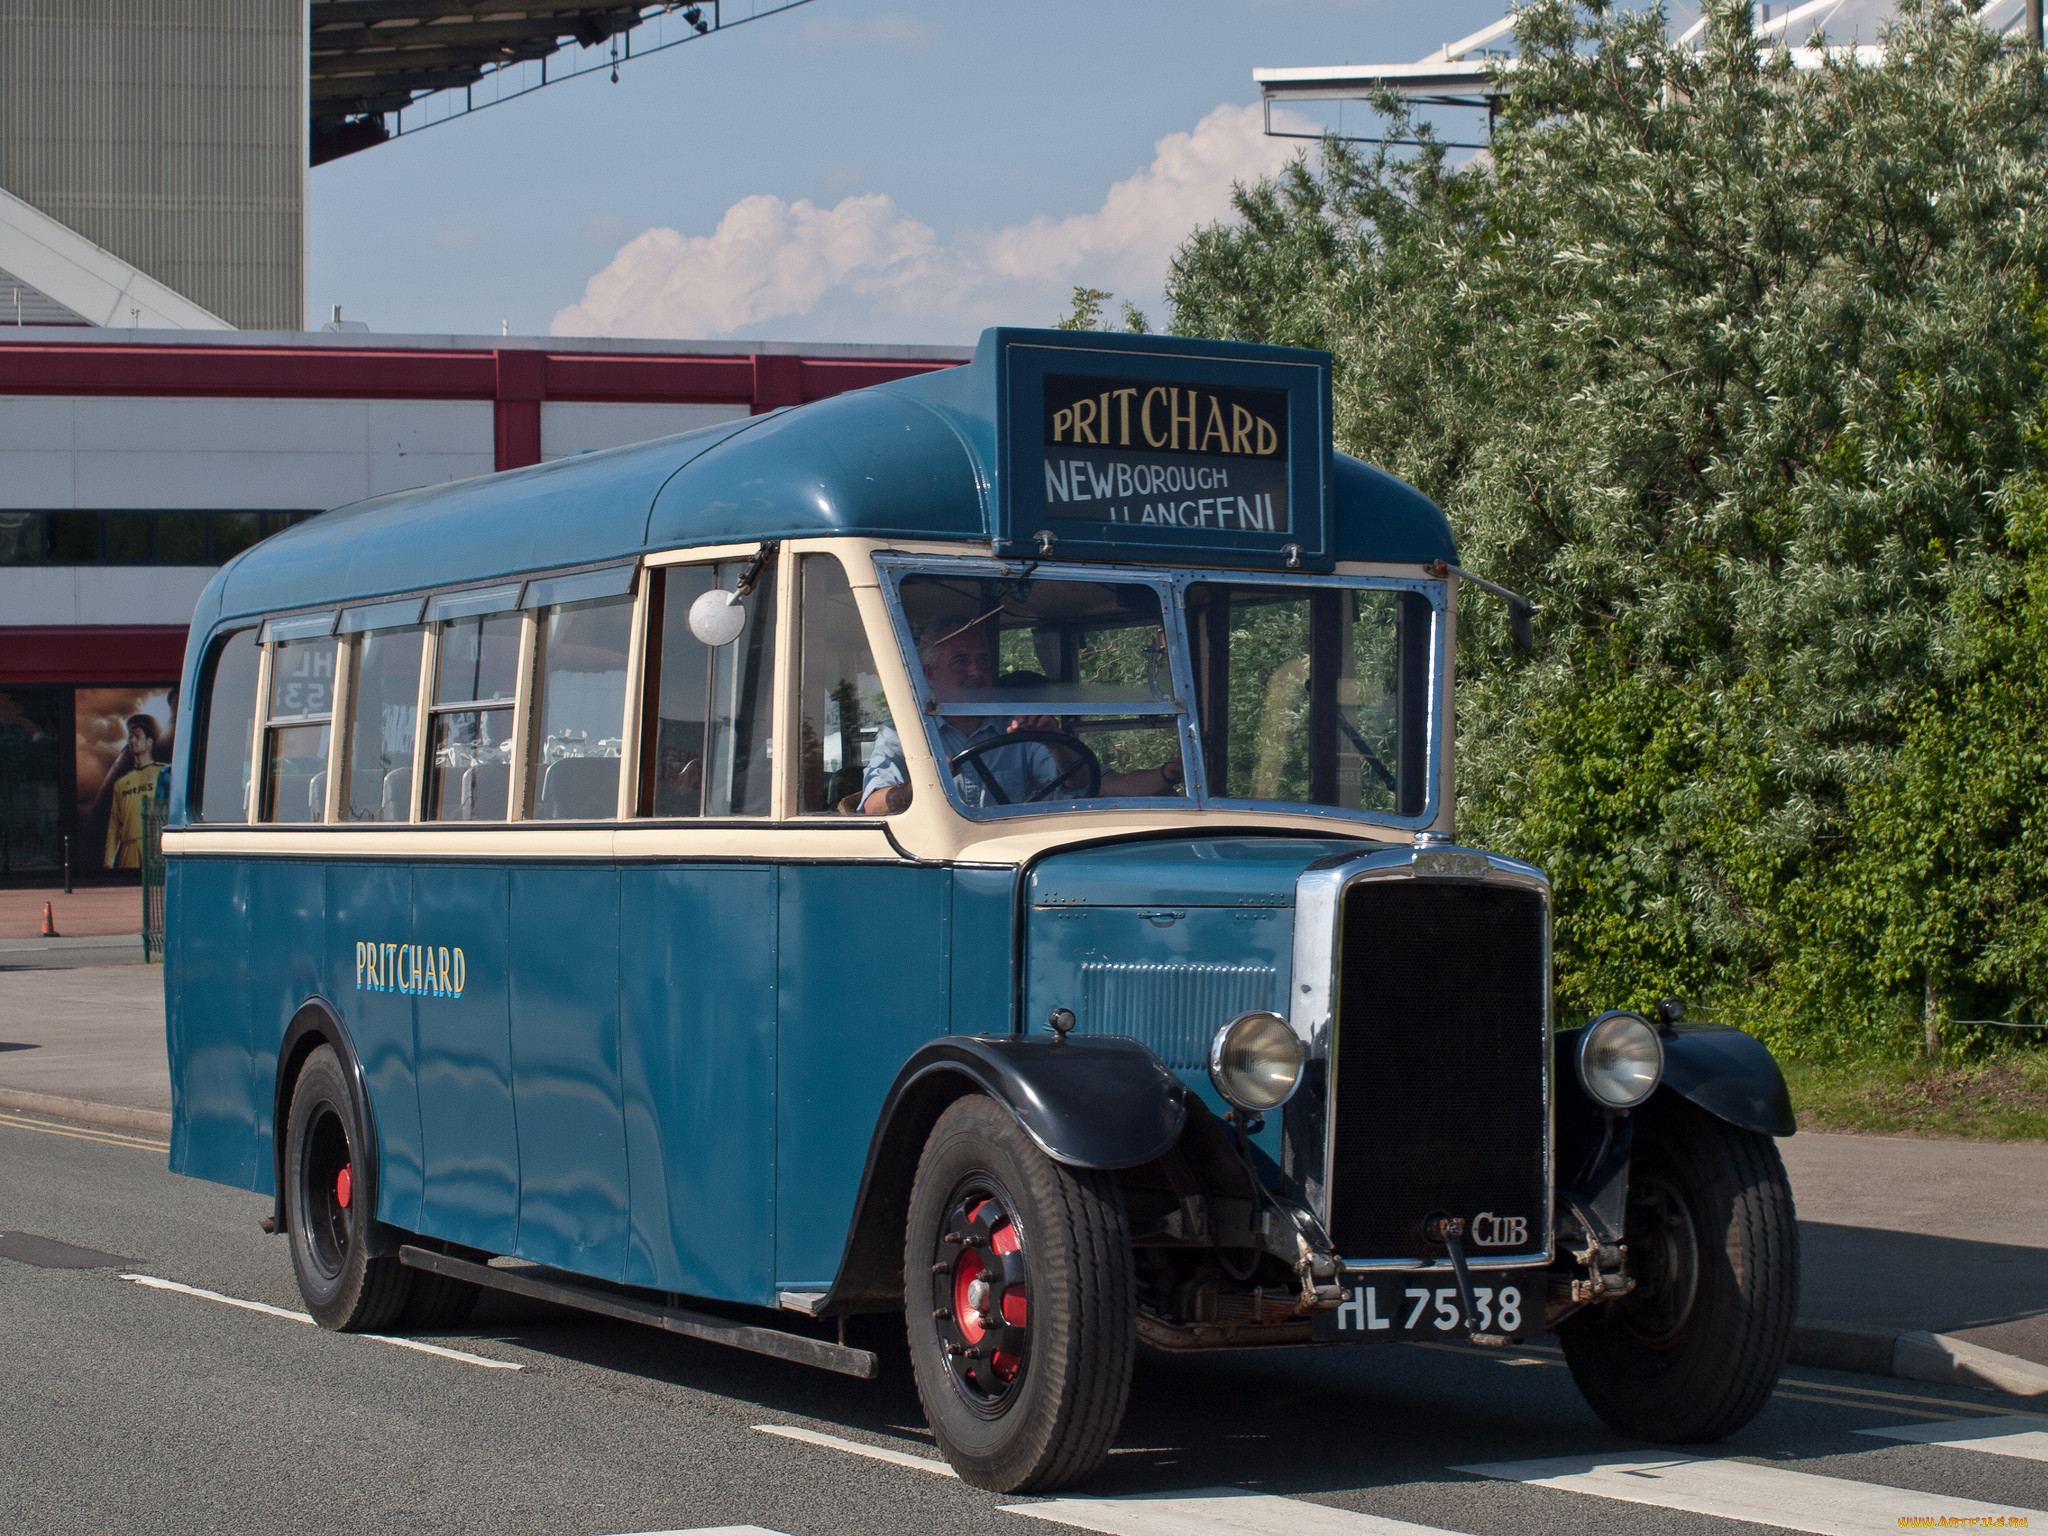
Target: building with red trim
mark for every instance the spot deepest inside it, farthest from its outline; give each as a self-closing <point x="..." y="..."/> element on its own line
<point x="134" y="463"/>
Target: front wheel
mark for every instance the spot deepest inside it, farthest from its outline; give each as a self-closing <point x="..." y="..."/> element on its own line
<point x="1020" y="1304"/>
<point x="1691" y="1354"/>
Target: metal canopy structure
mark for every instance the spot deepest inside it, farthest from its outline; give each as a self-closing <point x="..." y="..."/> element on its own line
<point x="381" y="68"/>
<point x="1475" y="72"/>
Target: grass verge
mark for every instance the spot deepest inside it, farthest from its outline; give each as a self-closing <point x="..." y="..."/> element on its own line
<point x="2004" y="1098"/>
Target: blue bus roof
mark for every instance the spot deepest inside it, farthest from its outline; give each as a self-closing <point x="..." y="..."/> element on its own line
<point x="919" y="458"/>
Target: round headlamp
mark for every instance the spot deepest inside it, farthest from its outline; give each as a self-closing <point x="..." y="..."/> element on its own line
<point x="1621" y="1060"/>
<point x="1255" y="1062"/>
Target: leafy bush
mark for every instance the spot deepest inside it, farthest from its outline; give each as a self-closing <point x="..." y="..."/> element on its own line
<point x="1737" y="370"/>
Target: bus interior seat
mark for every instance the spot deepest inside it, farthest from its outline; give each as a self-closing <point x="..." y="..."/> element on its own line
<point x="486" y="789"/>
<point x="316" y="797"/>
<point x="396" y="801"/>
<point x="293" y="800"/>
<point x="580" y="789"/>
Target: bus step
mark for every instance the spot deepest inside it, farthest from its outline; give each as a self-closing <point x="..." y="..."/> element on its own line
<point x="696" y="1325"/>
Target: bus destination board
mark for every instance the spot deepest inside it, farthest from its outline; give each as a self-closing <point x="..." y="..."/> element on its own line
<point x="1166" y="456"/>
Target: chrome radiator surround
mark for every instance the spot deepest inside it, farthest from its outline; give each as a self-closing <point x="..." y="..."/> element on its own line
<point x="1310" y="1122"/>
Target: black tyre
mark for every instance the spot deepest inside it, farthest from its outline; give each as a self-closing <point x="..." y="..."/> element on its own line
<point x="1691" y="1354"/>
<point x="1020" y="1304"/>
<point x="329" y="1205"/>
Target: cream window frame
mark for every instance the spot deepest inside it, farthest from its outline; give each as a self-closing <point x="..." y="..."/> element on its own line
<point x="782" y="698"/>
<point x="260" y="742"/>
<point x="521" y="707"/>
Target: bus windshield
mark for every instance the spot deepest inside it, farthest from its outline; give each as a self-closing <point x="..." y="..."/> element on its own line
<point x="1047" y="688"/>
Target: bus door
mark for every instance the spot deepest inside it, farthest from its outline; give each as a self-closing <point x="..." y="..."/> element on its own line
<point x="863" y="949"/>
<point x="697" y="949"/>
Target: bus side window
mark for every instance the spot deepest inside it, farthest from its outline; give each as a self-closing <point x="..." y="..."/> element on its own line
<point x="295" y="730"/>
<point x="469" y="742"/>
<point x="227" y="725"/>
<point x="709" y="749"/>
<point x="842" y="703"/>
<point x="579" y="707"/>
<point x="382" y="721"/>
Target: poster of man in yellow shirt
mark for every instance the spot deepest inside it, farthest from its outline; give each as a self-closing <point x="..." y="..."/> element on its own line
<point x="146" y="780"/>
<point x="125" y="744"/>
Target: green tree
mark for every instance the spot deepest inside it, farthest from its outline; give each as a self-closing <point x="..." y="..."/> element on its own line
<point x="1734" y="368"/>
<point x="1086" y="314"/>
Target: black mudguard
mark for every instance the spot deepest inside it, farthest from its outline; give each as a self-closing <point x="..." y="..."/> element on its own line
<point x="1730" y="1074"/>
<point x="1719" y="1068"/>
<point x="1097" y="1101"/>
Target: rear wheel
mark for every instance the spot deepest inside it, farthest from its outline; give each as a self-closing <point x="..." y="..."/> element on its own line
<point x="1019" y="1303"/>
<point x="437" y="1301"/>
<point x="1691" y="1354"/>
<point x="329" y="1205"/>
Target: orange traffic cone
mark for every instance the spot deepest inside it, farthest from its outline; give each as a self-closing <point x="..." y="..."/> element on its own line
<point x="49" y="922"/>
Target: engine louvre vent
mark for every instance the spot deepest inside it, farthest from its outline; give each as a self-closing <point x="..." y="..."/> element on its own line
<point x="1441" y="1054"/>
<point x="1175" y="1009"/>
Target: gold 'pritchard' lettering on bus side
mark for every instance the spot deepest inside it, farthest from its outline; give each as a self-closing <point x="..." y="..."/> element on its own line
<point x="418" y="970"/>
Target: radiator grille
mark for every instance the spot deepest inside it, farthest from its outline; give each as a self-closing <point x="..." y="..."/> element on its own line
<point x="1175" y="1009"/>
<point x="1440" y="1059"/>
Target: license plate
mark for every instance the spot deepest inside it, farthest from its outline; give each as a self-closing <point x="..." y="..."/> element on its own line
<point x="1400" y="1307"/>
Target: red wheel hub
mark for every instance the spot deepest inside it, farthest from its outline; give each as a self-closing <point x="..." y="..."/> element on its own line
<point x="344" y="1186"/>
<point x="976" y="1289"/>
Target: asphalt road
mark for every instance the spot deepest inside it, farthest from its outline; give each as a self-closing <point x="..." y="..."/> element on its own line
<point x="130" y="1408"/>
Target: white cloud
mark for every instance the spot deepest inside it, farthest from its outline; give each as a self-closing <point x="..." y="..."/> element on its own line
<point x="890" y="29"/>
<point x="865" y="270"/>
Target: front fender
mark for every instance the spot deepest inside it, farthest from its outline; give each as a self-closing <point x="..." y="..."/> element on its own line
<point x="1716" y="1066"/>
<point x="1730" y="1074"/>
<point x="1102" y="1101"/>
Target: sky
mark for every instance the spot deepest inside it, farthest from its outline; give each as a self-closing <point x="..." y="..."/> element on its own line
<point x="851" y="171"/>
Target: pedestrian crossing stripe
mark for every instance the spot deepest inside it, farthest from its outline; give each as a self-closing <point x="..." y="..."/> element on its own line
<point x="2020" y="1435"/>
<point x="1742" y="1490"/>
<point x="1215" y="1512"/>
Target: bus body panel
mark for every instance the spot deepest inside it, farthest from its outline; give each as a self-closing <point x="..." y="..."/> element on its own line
<point x="1167" y="940"/>
<point x="469" y="1132"/>
<point x="563" y="946"/>
<point x="366" y="903"/>
<point x="862" y="985"/>
<point x="697" y="967"/>
<point x="216" y="1104"/>
<point x="981" y="942"/>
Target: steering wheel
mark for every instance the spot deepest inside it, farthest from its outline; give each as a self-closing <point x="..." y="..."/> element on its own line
<point x="973" y="753"/>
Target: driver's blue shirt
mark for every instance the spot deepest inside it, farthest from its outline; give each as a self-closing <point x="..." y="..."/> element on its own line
<point x="1022" y="769"/>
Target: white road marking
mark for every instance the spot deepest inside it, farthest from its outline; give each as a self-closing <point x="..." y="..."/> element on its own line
<point x="1215" y="1512"/>
<point x="156" y="1284"/>
<point x="859" y="1448"/>
<point x="445" y="1352"/>
<point x="1740" y="1490"/>
<point x="715" y="1530"/>
<point x="2012" y="1435"/>
<point x="233" y="1301"/>
<point x="1190" y="1512"/>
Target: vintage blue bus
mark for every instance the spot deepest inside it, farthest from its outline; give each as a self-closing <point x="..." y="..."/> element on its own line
<point x="977" y="849"/>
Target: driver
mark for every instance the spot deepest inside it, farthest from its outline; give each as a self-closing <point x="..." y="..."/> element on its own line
<point x="958" y="666"/>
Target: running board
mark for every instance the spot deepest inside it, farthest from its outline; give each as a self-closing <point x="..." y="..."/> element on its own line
<point x="694" y="1325"/>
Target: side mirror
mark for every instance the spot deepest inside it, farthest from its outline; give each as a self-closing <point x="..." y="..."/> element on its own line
<point x="1671" y="1010"/>
<point x="716" y="618"/>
